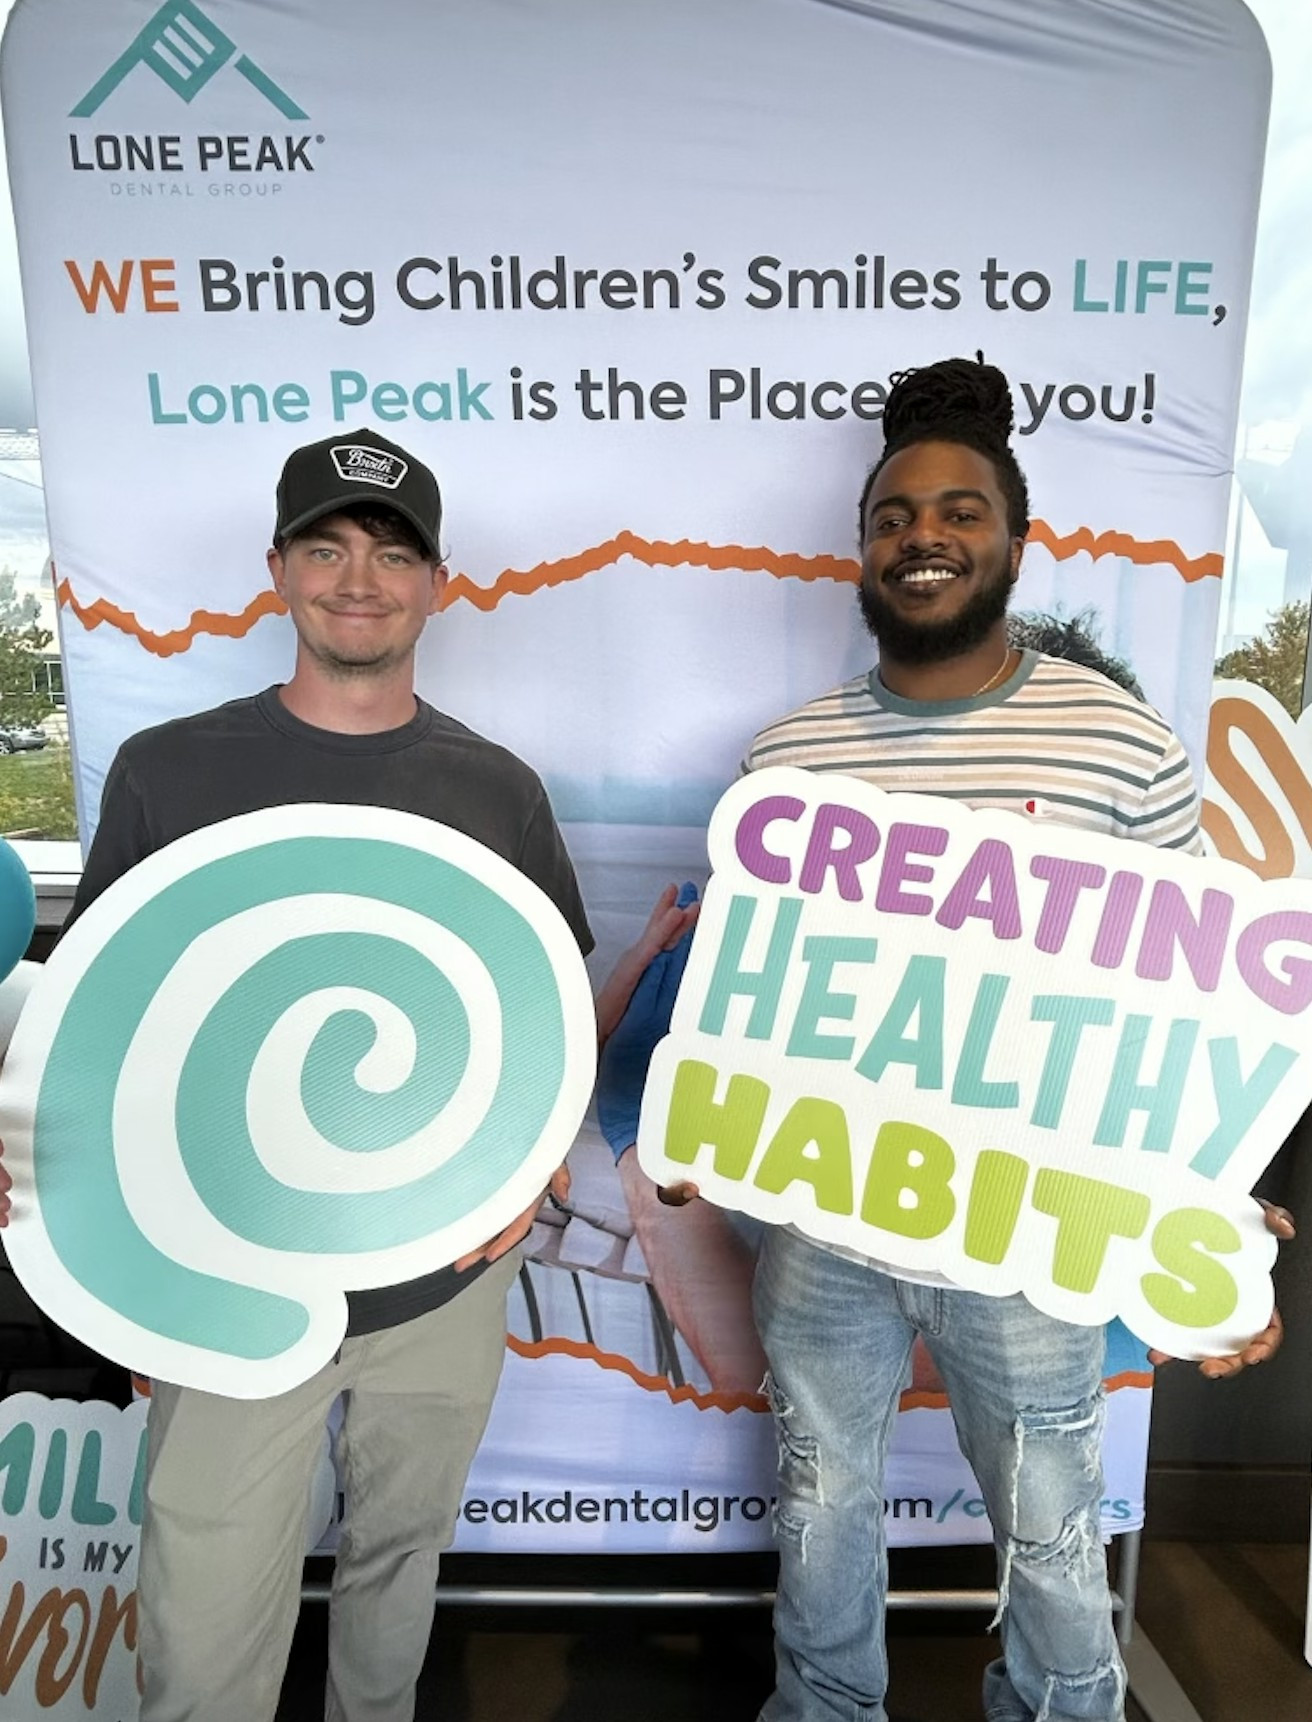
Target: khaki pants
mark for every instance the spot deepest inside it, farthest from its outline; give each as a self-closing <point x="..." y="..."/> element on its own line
<point x="227" y="1493"/>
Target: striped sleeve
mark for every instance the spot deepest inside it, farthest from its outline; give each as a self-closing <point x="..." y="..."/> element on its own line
<point x="1169" y="813"/>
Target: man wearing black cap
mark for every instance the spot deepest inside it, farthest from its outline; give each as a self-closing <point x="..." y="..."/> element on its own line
<point x="356" y="559"/>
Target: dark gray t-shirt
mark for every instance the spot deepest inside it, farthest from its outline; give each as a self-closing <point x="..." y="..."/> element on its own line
<point x="252" y="753"/>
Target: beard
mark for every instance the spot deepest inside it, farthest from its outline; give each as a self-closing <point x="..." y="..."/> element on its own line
<point x="357" y="669"/>
<point x="911" y="640"/>
<point x="346" y="659"/>
<point x="355" y="666"/>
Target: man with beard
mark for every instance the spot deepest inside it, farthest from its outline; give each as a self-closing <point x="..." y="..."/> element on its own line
<point x="952" y="708"/>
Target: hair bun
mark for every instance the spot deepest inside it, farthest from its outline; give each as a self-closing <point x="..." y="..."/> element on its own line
<point x="937" y="400"/>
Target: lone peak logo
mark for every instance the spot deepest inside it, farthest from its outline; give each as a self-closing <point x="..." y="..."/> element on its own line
<point x="184" y="48"/>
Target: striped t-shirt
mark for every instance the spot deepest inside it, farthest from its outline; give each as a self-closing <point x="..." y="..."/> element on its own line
<point x="1055" y="741"/>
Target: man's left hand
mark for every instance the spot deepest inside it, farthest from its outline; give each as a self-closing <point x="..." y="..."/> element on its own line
<point x="1262" y="1346"/>
<point x="520" y="1226"/>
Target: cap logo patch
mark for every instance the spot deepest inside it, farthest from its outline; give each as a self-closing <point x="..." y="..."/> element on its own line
<point x="362" y="465"/>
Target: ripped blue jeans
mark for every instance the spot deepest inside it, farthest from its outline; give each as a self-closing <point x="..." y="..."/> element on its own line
<point x="1026" y="1394"/>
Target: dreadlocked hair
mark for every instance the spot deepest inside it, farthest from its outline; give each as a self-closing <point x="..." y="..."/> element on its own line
<point x="957" y="400"/>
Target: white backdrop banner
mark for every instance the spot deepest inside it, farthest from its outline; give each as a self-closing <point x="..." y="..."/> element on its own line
<point x="633" y="279"/>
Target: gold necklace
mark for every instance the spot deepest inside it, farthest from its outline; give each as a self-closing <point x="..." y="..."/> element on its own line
<point x="996" y="677"/>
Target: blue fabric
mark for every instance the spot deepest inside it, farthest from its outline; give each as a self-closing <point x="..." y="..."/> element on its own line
<point x="622" y="1069"/>
<point x="1023" y="1387"/>
<point x="1126" y="1353"/>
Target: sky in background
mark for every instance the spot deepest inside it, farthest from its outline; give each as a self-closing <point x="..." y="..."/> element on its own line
<point x="1277" y="391"/>
<point x="1278" y="360"/>
<point x="1276" y="401"/>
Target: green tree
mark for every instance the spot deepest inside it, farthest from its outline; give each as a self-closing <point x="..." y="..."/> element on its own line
<point x="1275" y="659"/>
<point x="16" y="613"/>
<point x="22" y="641"/>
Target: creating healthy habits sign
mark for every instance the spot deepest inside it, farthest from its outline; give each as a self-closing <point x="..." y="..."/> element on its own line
<point x="303" y="1051"/>
<point x="991" y="1047"/>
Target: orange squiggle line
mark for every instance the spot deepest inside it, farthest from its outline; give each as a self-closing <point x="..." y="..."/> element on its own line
<point x="1129" y="1378"/>
<point x="624" y="1366"/>
<point x="913" y="1400"/>
<point x="166" y="645"/>
<point x="1143" y="552"/>
<point x="924" y="1399"/>
<point x="919" y="1399"/>
<point x="654" y="553"/>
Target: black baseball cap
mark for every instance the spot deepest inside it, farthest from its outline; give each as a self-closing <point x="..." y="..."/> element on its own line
<point x="354" y="468"/>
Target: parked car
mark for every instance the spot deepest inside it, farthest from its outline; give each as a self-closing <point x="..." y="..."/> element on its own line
<point x="21" y="738"/>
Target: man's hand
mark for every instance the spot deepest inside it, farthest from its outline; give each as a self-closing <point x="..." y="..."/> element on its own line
<point x="1259" y="1349"/>
<point x="677" y="1195"/>
<point x="6" y="1185"/>
<point x="520" y="1226"/>
<point x="1262" y="1346"/>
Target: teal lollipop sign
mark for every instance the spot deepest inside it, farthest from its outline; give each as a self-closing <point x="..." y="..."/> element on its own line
<point x="305" y="1051"/>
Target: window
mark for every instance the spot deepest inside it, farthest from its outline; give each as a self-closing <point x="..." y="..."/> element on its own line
<point x="1263" y="627"/>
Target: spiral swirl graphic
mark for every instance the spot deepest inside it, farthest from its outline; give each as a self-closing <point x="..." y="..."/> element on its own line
<point x="303" y="1051"/>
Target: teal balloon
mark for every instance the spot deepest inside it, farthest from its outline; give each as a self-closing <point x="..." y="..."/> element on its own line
<point x="17" y="909"/>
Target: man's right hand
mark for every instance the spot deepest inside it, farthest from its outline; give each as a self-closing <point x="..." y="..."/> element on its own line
<point x="677" y="1195"/>
<point x="6" y="1185"/>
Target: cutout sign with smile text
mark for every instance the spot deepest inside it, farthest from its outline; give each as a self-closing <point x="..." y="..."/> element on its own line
<point x="997" y="1049"/>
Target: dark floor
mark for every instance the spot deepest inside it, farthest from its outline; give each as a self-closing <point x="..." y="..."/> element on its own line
<point x="1227" y="1619"/>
